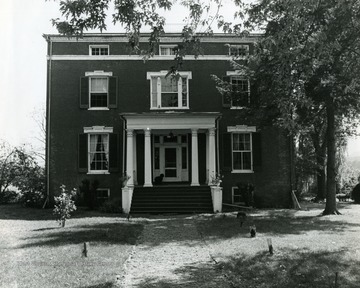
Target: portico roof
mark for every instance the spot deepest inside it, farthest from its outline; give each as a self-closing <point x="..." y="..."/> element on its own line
<point x="171" y="120"/>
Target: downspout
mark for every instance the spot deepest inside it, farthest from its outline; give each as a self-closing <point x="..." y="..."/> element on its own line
<point x="217" y="144"/>
<point x="123" y="143"/>
<point x="48" y="102"/>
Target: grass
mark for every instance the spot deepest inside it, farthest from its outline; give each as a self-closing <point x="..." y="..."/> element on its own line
<point x="36" y="252"/>
<point x="308" y="249"/>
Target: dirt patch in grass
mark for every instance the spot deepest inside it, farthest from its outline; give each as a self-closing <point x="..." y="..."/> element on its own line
<point x="36" y="252"/>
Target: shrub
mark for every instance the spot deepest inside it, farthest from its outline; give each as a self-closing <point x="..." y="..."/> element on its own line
<point x="64" y="205"/>
<point x="8" y="196"/>
<point x="111" y="206"/>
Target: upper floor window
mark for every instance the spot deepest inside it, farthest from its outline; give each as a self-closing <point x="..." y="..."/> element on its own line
<point x="99" y="49"/>
<point x="165" y="50"/>
<point x="239" y="50"/>
<point x="240" y="91"/>
<point x="98" y="91"/>
<point x="169" y="91"/>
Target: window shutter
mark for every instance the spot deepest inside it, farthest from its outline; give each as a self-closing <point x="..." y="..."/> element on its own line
<point x="256" y="143"/>
<point x="113" y="92"/>
<point x="113" y="152"/>
<point x="84" y="92"/>
<point x="226" y="98"/>
<point x="227" y="152"/>
<point x="83" y="153"/>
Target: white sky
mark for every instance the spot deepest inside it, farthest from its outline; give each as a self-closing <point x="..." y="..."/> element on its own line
<point x="23" y="65"/>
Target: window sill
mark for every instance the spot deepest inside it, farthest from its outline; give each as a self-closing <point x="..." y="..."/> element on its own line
<point x="98" y="173"/>
<point x="99" y="109"/>
<point x="242" y="171"/>
<point x="238" y="107"/>
<point x="171" y="108"/>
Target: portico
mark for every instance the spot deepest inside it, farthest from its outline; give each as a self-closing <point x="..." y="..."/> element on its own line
<point x="170" y="147"/>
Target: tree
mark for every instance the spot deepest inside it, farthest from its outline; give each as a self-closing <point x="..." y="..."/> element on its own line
<point x="309" y="60"/>
<point x="19" y="169"/>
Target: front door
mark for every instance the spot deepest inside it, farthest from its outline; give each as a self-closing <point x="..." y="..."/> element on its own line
<point x="171" y="163"/>
<point x="170" y="158"/>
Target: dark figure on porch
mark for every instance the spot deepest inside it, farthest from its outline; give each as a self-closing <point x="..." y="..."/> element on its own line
<point x="159" y="179"/>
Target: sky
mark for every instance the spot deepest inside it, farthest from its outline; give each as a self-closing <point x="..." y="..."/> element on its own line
<point x="23" y="66"/>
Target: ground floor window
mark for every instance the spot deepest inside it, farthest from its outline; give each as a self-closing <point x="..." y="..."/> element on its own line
<point x="102" y="194"/>
<point x="236" y="195"/>
<point x="99" y="152"/>
<point x="242" y="152"/>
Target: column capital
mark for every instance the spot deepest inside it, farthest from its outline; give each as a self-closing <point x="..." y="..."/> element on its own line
<point x="194" y="131"/>
<point x="147" y="132"/>
<point x="129" y="132"/>
<point x="212" y="131"/>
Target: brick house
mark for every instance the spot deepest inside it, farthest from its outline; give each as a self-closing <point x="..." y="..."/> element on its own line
<point x="109" y="113"/>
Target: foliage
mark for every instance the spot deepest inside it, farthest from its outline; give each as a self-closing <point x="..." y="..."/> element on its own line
<point x="8" y="196"/>
<point x="19" y="169"/>
<point x="216" y="179"/>
<point x="111" y="206"/>
<point x="88" y="193"/>
<point x="124" y="179"/>
<point x="64" y="205"/>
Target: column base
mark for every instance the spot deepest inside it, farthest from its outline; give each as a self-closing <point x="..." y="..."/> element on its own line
<point x="147" y="185"/>
<point x="194" y="184"/>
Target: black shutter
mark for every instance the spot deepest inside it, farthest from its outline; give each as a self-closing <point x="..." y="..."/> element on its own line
<point x="84" y="92"/>
<point x="227" y="152"/>
<point x="83" y="153"/>
<point x="256" y="142"/>
<point x="113" y="152"/>
<point x="113" y="92"/>
<point x="226" y="97"/>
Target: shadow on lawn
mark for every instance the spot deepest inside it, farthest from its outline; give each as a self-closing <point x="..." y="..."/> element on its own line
<point x="291" y="268"/>
<point x="104" y="233"/>
<point x="18" y="212"/>
<point x="224" y="228"/>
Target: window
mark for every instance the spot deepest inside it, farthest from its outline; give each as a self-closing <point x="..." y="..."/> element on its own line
<point x="102" y="194"/>
<point x="236" y="195"/>
<point x="168" y="91"/>
<point x="166" y="50"/>
<point x="239" y="50"/>
<point x="242" y="152"/>
<point x="99" y="49"/>
<point x="240" y="96"/>
<point x="98" y="92"/>
<point x="98" y="152"/>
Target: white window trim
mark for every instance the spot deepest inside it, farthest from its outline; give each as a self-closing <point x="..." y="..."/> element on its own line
<point x="232" y="195"/>
<point x="187" y="75"/>
<point x="98" y="73"/>
<point x="232" y="154"/>
<point x="171" y="46"/>
<point x="96" y="132"/>
<point x="238" y="46"/>
<point x="98" y="46"/>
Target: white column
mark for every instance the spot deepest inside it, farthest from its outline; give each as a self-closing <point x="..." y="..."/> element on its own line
<point x="212" y="154"/>
<point x="194" y="158"/>
<point x="147" y="166"/>
<point x="130" y="156"/>
<point x="134" y="157"/>
<point x="207" y="158"/>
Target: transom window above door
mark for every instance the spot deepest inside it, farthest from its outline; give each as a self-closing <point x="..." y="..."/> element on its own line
<point x="169" y="91"/>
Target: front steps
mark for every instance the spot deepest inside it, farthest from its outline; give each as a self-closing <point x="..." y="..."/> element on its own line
<point x="171" y="199"/>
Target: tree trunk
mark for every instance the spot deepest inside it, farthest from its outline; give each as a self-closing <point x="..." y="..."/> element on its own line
<point x="320" y="151"/>
<point x="330" y="207"/>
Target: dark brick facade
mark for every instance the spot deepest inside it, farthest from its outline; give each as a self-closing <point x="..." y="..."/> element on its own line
<point x="69" y="60"/>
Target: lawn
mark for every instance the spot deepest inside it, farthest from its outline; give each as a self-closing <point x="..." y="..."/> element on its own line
<point x="36" y="252"/>
<point x="309" y="249"/>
